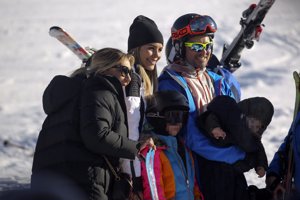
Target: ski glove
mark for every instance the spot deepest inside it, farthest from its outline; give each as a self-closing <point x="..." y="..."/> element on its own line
<point x="133" y="88"/>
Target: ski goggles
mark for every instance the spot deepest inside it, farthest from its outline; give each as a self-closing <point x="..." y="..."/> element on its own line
<point x="176" y="116"/>
<point x="124" y="70"/>
<point x="197" y="26"/>
<point x="172" y="116"/>
<point x="198" y="47"/>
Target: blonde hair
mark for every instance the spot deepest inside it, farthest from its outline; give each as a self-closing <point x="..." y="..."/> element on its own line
<point x="149" y="77"/>
<point x="103" y="60"/>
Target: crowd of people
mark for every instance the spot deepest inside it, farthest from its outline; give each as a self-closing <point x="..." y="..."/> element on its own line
<point x="104" y="119"/>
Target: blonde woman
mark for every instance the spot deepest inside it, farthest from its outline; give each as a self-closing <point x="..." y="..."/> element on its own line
<point x="86" y="121"/>
<point x="145" y="43"/>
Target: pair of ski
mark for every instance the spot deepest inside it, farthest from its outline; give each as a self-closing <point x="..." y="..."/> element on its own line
<point x="66" y="39"/>
<point x="251" y="28"/>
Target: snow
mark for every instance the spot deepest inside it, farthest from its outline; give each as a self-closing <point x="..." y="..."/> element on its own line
<point x="30" y="58"/>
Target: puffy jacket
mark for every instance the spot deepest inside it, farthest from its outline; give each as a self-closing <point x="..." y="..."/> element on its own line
<point x="59" y="140"/>
<point x="84" y="122"/>
<point x="103" y="119"/>
<point x="194" y="138"/>
<point x="174" y="178"/>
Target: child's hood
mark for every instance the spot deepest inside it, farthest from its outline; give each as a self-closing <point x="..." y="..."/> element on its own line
<point x="259" y="108"/>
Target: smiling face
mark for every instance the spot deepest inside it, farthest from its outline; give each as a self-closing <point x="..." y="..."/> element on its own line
<point x="150" y="54"/>
<point x="200" y="59"/>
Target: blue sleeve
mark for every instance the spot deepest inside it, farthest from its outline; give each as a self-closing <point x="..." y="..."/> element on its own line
<point x="232" y="83"/>
<point x="275" y="166"/>
<point x="276" y="163"/>
<point x="230" y="79"/>
<point x="225" y="89"/>
<point x="220" y="85"/>
<point x="297" y="152"/>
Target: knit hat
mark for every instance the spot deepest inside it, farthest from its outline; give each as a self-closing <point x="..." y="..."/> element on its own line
<point x="143" y="31"/>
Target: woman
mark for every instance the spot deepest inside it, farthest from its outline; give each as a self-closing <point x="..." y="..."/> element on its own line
<point x="86" y="123"/>
<point x="145" y="43"/>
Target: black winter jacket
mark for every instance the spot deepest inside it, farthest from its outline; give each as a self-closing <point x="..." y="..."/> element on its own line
<point x="103" y="119"/>
<point x="59" y="140"/>
<point x="85" y="120"/>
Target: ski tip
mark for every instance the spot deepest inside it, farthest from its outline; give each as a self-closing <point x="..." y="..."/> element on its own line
<point x="55" y="28"/>
<point x="296" y="76"/>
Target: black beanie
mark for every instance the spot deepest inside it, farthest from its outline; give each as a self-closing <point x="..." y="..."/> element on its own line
<point x="143" y="31"/>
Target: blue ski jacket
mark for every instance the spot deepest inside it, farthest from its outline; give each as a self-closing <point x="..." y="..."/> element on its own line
<point x="275" y="166"/>
<point x="194" y="138"/>
<point x="184" y="176"/>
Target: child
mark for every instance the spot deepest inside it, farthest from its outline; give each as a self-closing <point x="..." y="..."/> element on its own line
<point x="227" y="122"/>
<point x="167" y="112"/>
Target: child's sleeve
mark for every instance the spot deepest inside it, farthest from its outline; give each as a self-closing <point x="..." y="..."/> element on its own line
<point x="262" y="160"/>
<point x="207" y="121"/>
<point x="167" y="177"/>
<point x="211" y="122"/>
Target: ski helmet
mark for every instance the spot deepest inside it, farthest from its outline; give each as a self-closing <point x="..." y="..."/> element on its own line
<point x="166" y="107"/>
<point x="170" y="51"/>
<point x="190" y="25"/>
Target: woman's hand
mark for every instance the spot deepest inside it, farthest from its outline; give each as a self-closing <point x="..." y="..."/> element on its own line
<point x="142" y="145"/>
<point x="147" y="143"/>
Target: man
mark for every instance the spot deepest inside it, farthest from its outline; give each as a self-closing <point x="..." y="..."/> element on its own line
<point x="192" y="39"/>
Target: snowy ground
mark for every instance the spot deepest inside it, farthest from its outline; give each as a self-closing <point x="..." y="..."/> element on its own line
<point x="30" y="58"/>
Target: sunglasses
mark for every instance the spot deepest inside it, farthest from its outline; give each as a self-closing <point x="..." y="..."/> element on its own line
<point x="198" y="47"/>
<point x="197" y="26"/>
<point x="124" y="70"/>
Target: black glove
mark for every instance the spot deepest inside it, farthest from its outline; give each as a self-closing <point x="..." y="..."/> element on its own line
<point x="133" y="88"/>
